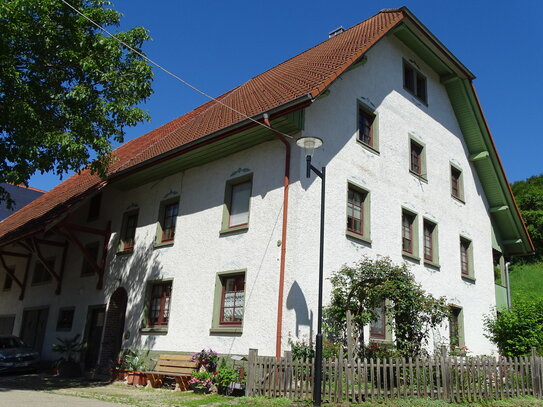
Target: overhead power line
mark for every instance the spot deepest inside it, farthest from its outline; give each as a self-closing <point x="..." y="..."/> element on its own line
<point x="169" y="72"/>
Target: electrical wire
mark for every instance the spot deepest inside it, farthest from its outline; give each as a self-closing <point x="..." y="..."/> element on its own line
<point x="171" y="73"/>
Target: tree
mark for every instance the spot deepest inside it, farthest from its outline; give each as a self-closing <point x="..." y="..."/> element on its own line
<point x="361" y="288"/>
<point x="517" y="330"/>
<point x="529" y="196"/>
<point x="67" y="91"/>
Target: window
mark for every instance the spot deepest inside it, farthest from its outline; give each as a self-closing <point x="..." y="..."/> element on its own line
<point x="378" y="326"/>
<point x="358" y="218"/>
<point x="466" y="258"/>
<point x="65" y="319"/>
<point x="409" y="234"/>
<point x="367" y="127"/>
<point x="93" y="249"/>
<point x="41" y="275"/>
<point x="128" y="231"/>
<point x="229" y="303"/>
<point x="430" y="243"/>
<point x="417" y="158"/>
<point x="236" y="207"/>
<point x="94" y="207"/>
<point x="414" y="82"/>
<point x="456" y="327"/>
<point x="167" y="221"/>
<point x="457" y="188"/>
<point x="499" y="267"/>
<point x="8" y="281"/>
<point x="159" y="305"/>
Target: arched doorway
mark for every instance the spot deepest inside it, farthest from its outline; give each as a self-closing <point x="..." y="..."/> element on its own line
<point x="114" y="327"/>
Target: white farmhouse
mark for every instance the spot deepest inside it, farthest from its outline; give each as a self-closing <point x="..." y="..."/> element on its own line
<point x="206" y="231"/>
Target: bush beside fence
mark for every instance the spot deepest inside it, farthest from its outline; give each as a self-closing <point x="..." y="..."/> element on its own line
<point x="449" y="378"/>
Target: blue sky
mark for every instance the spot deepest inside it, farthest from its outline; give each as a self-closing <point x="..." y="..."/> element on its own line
<point x="217" y="45"/>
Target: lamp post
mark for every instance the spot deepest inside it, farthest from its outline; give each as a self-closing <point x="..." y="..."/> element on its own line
<point x="309" y="144"/>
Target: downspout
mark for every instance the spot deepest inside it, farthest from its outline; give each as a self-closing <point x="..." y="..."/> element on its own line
<point x="286" y="183"/>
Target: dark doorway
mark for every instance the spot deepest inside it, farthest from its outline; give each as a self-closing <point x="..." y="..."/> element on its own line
<point x="114" y="328"/>
<point x="93" y="334"/>
<point x="33" y="327"/>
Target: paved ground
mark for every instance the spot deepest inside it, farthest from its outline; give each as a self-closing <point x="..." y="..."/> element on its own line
<point x="30" y="398"/>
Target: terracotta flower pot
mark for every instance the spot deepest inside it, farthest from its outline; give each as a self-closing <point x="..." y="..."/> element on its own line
<point x="118" y="375"/>
<point x="137" y="379"/>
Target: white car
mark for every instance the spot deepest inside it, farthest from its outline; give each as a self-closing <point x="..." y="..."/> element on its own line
<point x="16" y="356"/>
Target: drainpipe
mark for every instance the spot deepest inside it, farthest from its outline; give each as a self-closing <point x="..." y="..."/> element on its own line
<point x="507" y="288"/>
<point x="283" y="236"/>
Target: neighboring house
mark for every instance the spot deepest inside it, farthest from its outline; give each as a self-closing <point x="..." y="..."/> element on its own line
<point x="21" y="195"/>
<point x="193" y="241"/>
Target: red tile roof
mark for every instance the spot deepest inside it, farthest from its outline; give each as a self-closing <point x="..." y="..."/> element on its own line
<point x="308" y="73"/>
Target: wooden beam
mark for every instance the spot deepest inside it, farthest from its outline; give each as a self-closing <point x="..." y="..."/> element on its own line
<point x="27" y="246"/>
<point x="25" y="278"/>
<point x="13" y="254"/>
<point x="51" y="242"/>
<point x="448" y="78"/>
<point x="42" y="260"/>
<point x="496" y="209"/>
<point x="86" y="229"/>
<point x="62" y="266"/>
<point x="512" y="241"/>
<point x="9" y="272"/>
<point x="105" y="247"/>
<point x="479" y="156"/>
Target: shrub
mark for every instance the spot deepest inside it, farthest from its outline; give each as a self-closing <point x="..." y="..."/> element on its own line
<point x="517" y="330"/>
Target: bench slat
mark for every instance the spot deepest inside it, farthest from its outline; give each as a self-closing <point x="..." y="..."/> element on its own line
<point x="179" y="363"/>
<point x="181" y="370"/>
<point x="176" y="357"/>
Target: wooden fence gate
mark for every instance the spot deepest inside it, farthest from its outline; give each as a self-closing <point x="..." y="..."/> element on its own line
<point x="456" y="379"/>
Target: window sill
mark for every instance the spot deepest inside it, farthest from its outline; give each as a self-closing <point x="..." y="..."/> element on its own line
<point x="419" y="176"/>
<point x="159" y="245"/>
<point x="468" y="279"/>
<point x="125" y="252"/>
<point x="226" y="330"/>
<point x="356" y="236"/>
<point x="411" y="256"/>
<point x="234" y="229"/>
<point x="458" y="199"/>
<point x="154" y="331"/>
<point x="432" y="264"/>
<point x="368" y="147"/>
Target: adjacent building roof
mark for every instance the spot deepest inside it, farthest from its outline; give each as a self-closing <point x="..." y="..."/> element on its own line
<point x="21" y="195"/>
<point x="303" y="76"/>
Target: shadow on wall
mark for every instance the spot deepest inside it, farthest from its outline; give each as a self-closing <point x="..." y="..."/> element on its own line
<point x="296" y="301"/>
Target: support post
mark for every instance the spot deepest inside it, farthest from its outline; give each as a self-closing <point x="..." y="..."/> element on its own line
<point x="251" y="373"/>
<point x="536" y="374"/>
<point x="445" y="373"/>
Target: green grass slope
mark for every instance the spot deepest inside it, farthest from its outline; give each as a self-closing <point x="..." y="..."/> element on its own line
<point x="526" y="281"/>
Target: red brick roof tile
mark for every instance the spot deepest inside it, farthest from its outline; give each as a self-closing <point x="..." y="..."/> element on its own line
<point x="308" y="73"/>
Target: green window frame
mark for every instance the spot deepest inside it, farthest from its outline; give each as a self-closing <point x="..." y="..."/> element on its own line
<point x="410" y="234"/>
<point x="41" y="275"/>
<point x="457" y="183"/>
<point x="367" y="127"/>
<point x="223" y="280"/>
<point x="456" y="327"/>
<point x="417" y="158"/>
<point x="237" y="204"/>
<point x="430" y="243"/>
<point x="157" y="306"/>
<point x="466" y="259"/>
<point x="415" y="82"/>
<point x="358" y="213"/>
<point x="127" y="236"/>
<point x="167" y="222"/>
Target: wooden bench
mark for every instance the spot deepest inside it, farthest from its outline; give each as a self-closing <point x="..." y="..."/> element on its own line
<point x="180" y="367"/>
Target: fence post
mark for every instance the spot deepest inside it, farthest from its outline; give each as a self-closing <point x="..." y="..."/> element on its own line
<point x="251" y="372"/>
<point x="445" y="374"/>
<point x="536" y="374"/>
<point x="288" y="373"/>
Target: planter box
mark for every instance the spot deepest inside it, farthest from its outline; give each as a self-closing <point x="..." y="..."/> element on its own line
<point x="137" y="379"/>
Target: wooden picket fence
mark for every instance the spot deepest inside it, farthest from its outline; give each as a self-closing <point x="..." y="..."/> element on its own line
<point x="455" y="379"/>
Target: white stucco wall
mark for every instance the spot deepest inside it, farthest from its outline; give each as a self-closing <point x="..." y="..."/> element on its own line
<point x="199" y="252"/>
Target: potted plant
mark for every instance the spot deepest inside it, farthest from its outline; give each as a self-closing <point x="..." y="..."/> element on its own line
<point x="118" y="370"/>
<point x="226" y="379"/>
<point x="207" y="359"/>
<point x="201" y="382"/>
<point x="134" y="363"/>
<point x="68" y="365"/>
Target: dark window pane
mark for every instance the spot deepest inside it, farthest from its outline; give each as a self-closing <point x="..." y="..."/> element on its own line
<point x="408" y="78"/>
<point x="355" y="212"/>
<point x="365" y="129"/>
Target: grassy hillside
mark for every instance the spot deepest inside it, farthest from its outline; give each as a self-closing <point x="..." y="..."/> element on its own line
<point x="526" y="281"/>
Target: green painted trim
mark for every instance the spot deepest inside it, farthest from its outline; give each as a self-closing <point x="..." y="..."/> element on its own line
<point x="415" y="226"/>
<point x="216" y="327"/>
<point x="366" y="212"/>
<point x="435" y="244"/>
<point x="461" y="334"/>
<point x="424" y="175"/>
<point x="158" y="236"/>
<point x="144" y="327"/>
<point x="359" y="62"/>
<point x="501" y="297"/>
<point x="360" y="104"/>
<point x="496" y="209"/>
<point x="471" y="263"/>
<point x="323" y="94"/>
<point x="462" y="197"/>
<point x="225" y="228"/>
<point x="479" y="156"/>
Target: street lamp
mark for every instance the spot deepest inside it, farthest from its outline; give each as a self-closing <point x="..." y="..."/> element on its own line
<point x="309" y="144"/>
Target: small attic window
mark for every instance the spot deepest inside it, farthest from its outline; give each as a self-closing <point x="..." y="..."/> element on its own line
<point x="414" y="82"/>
